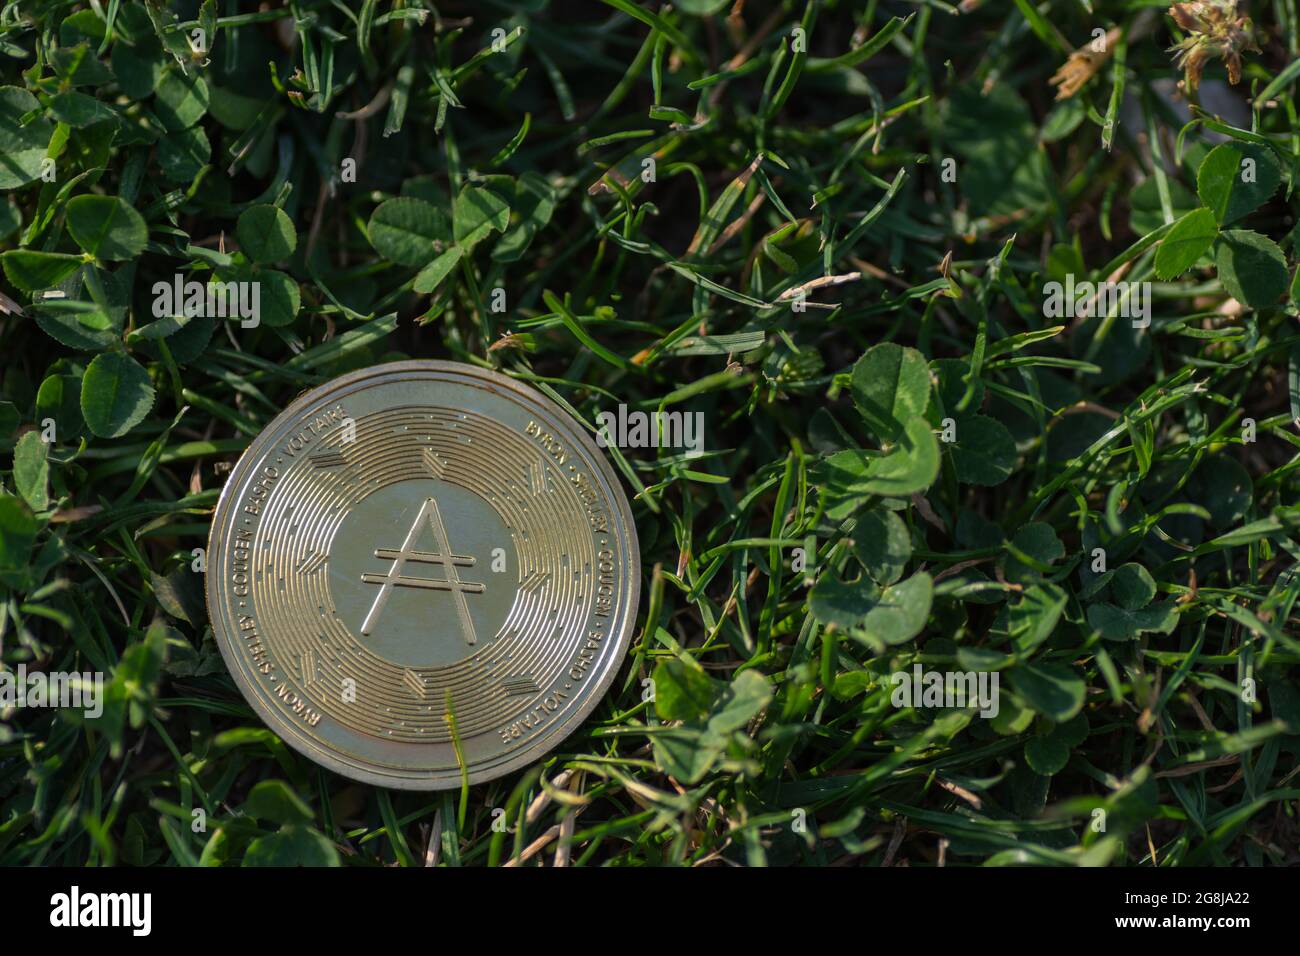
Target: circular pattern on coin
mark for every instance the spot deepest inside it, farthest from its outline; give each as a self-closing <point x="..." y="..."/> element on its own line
<point x="423" y="565"/>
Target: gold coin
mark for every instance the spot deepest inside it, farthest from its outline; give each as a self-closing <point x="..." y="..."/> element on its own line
<point x="423" y="569"/>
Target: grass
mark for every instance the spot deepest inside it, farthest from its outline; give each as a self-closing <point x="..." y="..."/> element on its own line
<point x="832" y="229"/>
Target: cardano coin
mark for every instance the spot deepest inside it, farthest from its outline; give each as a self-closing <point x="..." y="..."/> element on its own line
<point x="420" y="568"/>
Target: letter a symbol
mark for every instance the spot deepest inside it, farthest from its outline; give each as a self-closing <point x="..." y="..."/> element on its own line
<point x="395" y="579"/>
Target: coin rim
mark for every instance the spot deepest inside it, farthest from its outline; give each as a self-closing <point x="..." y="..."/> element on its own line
<point x="549" y="739"/>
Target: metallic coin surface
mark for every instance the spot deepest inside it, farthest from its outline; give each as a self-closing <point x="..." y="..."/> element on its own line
<point x="422" y="565"/>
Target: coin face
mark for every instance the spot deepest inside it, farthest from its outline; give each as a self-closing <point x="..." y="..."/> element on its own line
<point x="420" y="566"/>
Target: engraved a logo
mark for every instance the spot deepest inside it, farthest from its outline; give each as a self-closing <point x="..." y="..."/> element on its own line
<point x="444" y="556"/>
